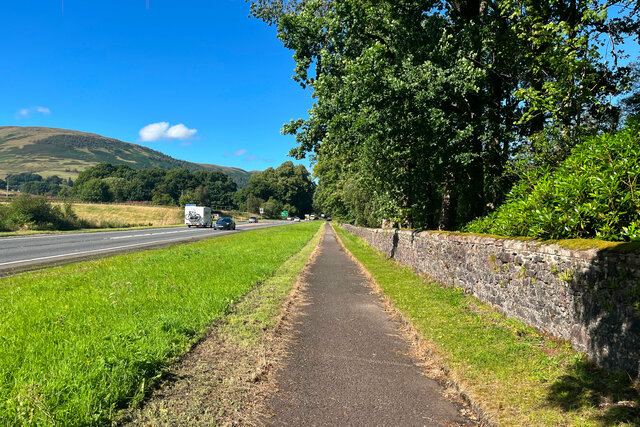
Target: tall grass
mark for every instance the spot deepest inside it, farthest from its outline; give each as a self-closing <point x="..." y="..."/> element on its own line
<point x="79" y="341"/>
<point x="107" y="215"/>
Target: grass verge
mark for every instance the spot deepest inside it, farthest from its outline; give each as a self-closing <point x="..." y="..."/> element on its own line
<point x="517" y="375"/>
<point x="228" y="371"/>
<point x="80" y="341"/>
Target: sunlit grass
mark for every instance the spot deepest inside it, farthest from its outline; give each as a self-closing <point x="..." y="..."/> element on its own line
<point x="517" y="375"/>
<point x="77" y="342"/>
<point x="129" y="214"/>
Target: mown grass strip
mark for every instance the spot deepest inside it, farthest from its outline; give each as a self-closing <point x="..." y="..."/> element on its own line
<point x="79" y="341"/>
<point x="240" y="352"/>
<point x="518" y="376"/>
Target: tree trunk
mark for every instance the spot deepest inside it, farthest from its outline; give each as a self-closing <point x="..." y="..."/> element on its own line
<point x="447" y="207"/>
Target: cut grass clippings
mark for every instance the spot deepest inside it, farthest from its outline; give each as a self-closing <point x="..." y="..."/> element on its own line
<point x="80" y="341"/>
<point x="517" y="375"/>
<point x="225" y="378"/>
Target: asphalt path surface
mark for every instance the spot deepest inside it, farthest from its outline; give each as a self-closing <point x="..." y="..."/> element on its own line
<point x="29" y="252"/>
<point x="349" y="364"/>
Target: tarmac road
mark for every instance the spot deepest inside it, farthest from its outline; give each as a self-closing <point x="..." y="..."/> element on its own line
<point x="29" y="252"/>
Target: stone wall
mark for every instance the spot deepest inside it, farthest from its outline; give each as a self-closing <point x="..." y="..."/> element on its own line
<point x="590" y="298"/>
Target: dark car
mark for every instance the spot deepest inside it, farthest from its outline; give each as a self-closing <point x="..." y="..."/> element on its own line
<point x="224" y="223"/>
<point x="253" y="219"/>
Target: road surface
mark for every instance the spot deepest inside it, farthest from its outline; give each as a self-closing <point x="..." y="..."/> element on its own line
<point x="23" y="253"/>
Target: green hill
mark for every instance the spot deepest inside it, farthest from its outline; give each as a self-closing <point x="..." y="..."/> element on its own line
<point x="66" y="153"/>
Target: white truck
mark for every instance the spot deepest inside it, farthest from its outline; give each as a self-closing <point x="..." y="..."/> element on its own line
<point x="198" y="216"/>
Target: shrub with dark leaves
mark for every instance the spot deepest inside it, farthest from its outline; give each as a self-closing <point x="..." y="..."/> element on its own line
<point x="594" y="193"/>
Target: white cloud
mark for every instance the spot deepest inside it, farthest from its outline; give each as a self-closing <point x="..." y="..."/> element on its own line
<point x="24" y="113"/>
<point x="180" y="132"/>
<point x="241" y="152"/>
<point x="162" y="130"/>
<point x="154" y="131"/>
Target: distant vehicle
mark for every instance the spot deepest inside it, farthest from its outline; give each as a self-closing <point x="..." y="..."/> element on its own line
<point x="197" y="216"/>
<point x="296" y="219"/>
<point x="224" y="223"/>
<point x="328" y="218"/>
<point x="289" y="218"/>
<point x="312" y="217"/>
<point x="253" y="219"/>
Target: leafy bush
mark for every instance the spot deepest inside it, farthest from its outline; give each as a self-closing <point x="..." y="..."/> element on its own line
<point x="4" y="214"/>
<point x="36" y="213"/>
<point x="272" y="208"/>
<point x="593" y="193"/>
<point x="96" y="190"/>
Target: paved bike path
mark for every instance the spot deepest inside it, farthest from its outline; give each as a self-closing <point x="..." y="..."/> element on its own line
<point x="347" y="363"/>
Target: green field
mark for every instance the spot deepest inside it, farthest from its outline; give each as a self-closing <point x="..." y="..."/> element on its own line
<point x="81" y="341"/>
<point x="517" y="376"/>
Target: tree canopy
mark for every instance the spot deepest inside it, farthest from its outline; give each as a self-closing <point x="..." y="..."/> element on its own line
<point x="426" y="112"/>
<point x="287" y="187"/>
<point x="106" y="182"/>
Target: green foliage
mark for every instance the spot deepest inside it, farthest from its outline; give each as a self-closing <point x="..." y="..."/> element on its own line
<point x="36" y="213"/>
<point x="94" y="190"/>
<point x="19" y="178"/>
<point x="421" y="105"/>
<point x="106" y="182"/>
<point x="162" y="199"/>
<point x="287" y="184"/>
<point x="80" y="341"/>
<point x="594" y="193"/>
<point x="253" y="203"/>
<point x="34" y="184"/>
<point x="272" y="208"/>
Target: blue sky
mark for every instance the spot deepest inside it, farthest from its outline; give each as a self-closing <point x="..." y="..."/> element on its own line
<point x="195" y="79"/>
<point x="214" y="85"/>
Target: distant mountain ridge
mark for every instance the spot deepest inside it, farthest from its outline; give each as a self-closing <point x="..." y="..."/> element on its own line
<point x="63" y="152"/>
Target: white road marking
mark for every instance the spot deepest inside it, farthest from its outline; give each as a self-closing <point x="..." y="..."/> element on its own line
<point x="145" y="234"/>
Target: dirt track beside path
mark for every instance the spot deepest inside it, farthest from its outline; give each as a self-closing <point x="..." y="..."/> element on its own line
<point x="348" y="363"/>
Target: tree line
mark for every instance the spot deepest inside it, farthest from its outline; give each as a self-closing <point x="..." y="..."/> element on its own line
<point x="32" y="183"/>
<point x="427" y="113"/>
<point x="287" y="187"/>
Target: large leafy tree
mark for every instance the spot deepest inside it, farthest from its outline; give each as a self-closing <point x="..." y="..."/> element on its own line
<point x="210" y="188"/>
<point x="288" y="186"/>
<point x="420" y="105"/>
